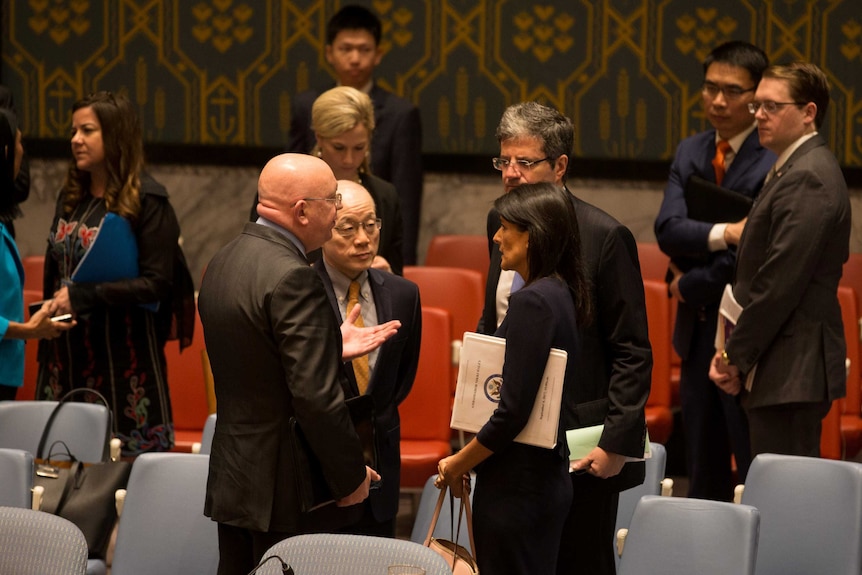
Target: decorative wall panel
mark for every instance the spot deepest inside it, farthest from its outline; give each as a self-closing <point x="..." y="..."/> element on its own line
<point x="223" y="72"/>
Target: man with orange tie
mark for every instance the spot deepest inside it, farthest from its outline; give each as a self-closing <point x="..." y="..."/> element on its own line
<point x="386" y="373"/>
<point x="703" y="256"/>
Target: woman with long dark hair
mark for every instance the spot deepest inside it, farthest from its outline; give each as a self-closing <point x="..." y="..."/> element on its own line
<point x="523" y="492"/>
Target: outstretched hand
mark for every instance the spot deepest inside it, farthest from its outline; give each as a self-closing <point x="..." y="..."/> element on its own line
<point x="358" y="341"/>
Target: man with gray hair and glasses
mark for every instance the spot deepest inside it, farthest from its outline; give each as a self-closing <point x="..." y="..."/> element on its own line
<point x="615" y="362"/>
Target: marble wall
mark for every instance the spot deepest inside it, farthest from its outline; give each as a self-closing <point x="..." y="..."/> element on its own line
<point x="213" y="202"/>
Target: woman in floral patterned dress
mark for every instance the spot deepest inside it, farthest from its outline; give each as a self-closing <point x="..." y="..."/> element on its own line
<point x="117" y="347"/>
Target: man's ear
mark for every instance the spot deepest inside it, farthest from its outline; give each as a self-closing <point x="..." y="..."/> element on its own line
<point x="299" y="213"/>
<point x="327" y="53"/>
<point x="561" y="166"/>
<point x="810" y="113"/>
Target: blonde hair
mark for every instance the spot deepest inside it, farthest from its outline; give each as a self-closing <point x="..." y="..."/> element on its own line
<point x="341" y="109"/>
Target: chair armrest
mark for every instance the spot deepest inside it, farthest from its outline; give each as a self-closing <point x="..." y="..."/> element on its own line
<point x="621" y="540"/>
<point x="120" y="501"/>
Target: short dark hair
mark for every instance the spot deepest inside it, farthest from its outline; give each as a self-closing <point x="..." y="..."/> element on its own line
<point x="546" y="212"/>
<point x="807" y="83"/>
<point x="353" y="17"/>
<point x="741" y="55"/>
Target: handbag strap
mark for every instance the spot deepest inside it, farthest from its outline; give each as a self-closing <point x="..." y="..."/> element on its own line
<point x="465" y="508"/>
<point x="56" y="410"/>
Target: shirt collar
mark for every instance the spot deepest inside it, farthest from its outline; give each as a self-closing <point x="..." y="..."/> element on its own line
<point x="779" y="163"/>
<point x="283" y="231"/>
<point x="341" y="283"/>
<point x="366" y="89"/>
<point x="737" y="141"/>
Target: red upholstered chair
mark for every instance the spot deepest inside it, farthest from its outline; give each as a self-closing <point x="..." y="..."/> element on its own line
<point x="459" y="251"/>
<point x="31" y="352"/>
<point x="459" y="291"/>
<point x="188" y="389"/>
<point x="658" y="409"/>
<point x="851" y="405"/>
<point x="426" y="412"/>
<point x="653" y="261"/>
<point x="34" y="271"/>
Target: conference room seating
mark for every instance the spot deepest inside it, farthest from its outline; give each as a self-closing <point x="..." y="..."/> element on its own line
<point x="811" y="514"/>
<point x="659" y="415"/>
<point x="680" y="536"/>
<point x="188" y="389"/>
<point x="343" y="554"/>
<point x="459" y="291"/>
<point x="426" y="412"/>
<point x="460" y="251"/>
<point x="34" y="271"/>
<point x="37" y="543"/>
<point x="162" y="527"/>
<point x="851" y="405"/>
<point x="16" y="478"/>
<point x="655" y="483"/>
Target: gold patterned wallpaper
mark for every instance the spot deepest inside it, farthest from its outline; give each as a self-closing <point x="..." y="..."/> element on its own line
<point x="223" y="72"/>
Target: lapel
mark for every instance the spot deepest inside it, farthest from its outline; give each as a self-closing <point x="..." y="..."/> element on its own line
<point x="333" y="301"/>
<point x="749" y="154"/>
<point x="382" y="294"/>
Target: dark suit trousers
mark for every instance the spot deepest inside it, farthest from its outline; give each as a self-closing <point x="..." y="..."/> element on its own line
<point x="713" y="422"/>
<point x="788" y="429"/>
<point x="240" y="550"/>
<point x="519" y="509"/>
<point x="588" y="535"/>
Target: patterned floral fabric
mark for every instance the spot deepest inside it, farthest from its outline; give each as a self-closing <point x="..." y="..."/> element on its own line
<point x="117" y="347"/>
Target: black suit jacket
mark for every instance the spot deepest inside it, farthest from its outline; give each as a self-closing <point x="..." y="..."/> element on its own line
<point x="396" y="151"/>
<point x="392" y="377"/>
<point x="275" y="351"/>
<point x="790" y="260"/>
<point x="615" y="363"/>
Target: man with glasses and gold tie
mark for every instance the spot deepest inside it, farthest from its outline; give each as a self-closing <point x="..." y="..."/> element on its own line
<point x="702" y="259"/>
<point x="386" y="373"/>
<point x="786" y="354"/>
<point x="615" y="363"/>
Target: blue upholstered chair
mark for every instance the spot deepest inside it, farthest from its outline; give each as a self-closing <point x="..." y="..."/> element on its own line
<point x="36" y="543"/>
<point x="341" y="554"/>
<point x="679" y="536"/>
<point x="162" y="526"/>
<point x="16" y="478"/>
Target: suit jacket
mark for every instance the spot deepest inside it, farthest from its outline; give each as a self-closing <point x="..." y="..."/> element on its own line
<point x="396" y="151"/>
<point x="790" y="259"/>
<point x="11" y="309"/>
<point x="686" y="240"/>
<point x="615" y="362"/>
<point x="392" y="377"/>
<point x="275" y="351"/>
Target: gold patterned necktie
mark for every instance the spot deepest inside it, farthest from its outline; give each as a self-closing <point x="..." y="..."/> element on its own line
<point x="360" y="364"/>
<point x="721" y="150"/>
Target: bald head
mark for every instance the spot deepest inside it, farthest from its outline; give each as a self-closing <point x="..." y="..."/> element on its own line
<point x="291" y="188"/>
<point x="353" y="254"/>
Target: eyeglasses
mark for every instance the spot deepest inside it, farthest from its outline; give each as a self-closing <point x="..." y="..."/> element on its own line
<point x="349" y="229"/>
<point x="336" y="199"/>
<point x="770" y="107"/>
<point x="712" y="90"/>
<point x="503" y="163"/>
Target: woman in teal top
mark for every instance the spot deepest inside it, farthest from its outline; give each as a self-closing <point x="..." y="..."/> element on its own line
<point x="13" y="330"/>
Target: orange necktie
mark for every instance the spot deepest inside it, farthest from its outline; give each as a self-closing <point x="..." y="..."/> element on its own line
<point x="721" y="150"/>
<point x="360" y="364"/>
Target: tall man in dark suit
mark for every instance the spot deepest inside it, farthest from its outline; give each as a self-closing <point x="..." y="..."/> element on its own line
<point x="731" y="156"/>
<point x="388" y="372"/>
<point x="276" y="353"/>
<point x="615" y="362"/>
<point x="353" y="51"/>
<point x="787" y="349"/>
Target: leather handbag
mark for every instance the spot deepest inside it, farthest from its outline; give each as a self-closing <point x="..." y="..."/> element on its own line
<point x="83" y="493"/>
<point x="456" y="556"/>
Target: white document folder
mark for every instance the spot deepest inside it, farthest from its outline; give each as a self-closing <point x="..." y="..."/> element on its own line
<point x="477" y="393"/>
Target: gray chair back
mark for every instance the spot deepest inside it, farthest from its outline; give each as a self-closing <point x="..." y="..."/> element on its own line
<point x="342" y="554"/>
<point x="443" y="529"/>
<point x="653" y="475"/>
<point x="163" y="528"/>
<point x="16" y="478"/>
<point x="678" y="536"/>
<point x="207" y="437"/>
<point x="811" y="514"/>
<point x="81" y="426"/>
<point x="35" y="543"/>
